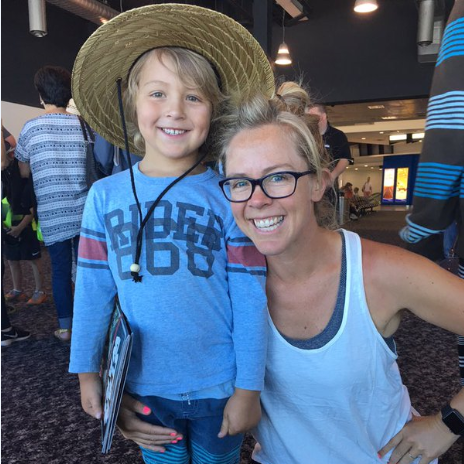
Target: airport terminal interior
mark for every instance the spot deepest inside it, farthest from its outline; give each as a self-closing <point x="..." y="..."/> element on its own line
<point x="372" y="72"/>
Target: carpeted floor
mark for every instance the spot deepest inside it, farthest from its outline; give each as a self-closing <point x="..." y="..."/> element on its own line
<point x="43" y="423"/>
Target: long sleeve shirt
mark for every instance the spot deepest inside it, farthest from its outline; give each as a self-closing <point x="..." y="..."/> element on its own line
<point x="199" y="314"/>
<point x="439" y="189"/>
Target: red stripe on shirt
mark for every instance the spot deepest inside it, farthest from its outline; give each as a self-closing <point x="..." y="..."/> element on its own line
<point x="90" y="248"/>
<point x="247" y="256"/>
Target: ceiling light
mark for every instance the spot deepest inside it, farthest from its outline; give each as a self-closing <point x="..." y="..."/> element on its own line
<point x="381" y="132"/>
<point x="389" y="117"/>
<point x="397" y="137"/>
<point x="283" y="55"/>
<point x="376" y="107"/>
<point x="363" y="138"/>
<point x="365" y="6"/>
<point x="355" y="169"/>
<point x="37" y="18"/>
<point x="418" y="136"/>
<point x="365" y="165"/>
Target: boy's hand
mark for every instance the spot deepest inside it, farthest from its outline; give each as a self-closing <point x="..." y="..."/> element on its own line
<point x="242" y="412"/>
<point x="15" y="231"/>
<point x="91" y="394"/>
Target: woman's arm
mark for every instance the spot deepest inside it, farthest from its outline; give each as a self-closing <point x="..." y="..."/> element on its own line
<point x="394" y="280"/>
<point x="24" y="169"/>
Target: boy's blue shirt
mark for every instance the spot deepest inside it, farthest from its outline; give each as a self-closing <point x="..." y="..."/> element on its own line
<point x="199" y="315"/>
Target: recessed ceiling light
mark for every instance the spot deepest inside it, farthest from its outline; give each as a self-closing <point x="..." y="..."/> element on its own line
<point x="397" y="137"/>
<point x="372" y="167"/>
<point x="363" y="138"/>
<point x="365" y="165"/>
<point x="355" y="169"/>
<point x="365" y="6"/>
<point x="389" y="117"/>
<point x="376" y="107"/>
<point x="381" y="132"/>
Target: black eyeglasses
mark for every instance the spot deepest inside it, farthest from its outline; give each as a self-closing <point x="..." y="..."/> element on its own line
<point x="276" y="185"/>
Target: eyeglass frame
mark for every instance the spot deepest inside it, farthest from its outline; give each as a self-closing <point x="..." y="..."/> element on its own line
<point x="255" y="182"/>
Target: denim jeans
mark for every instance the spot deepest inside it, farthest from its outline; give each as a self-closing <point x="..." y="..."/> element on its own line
<point x="61" y="256"/>
<point x="199" y="421"/>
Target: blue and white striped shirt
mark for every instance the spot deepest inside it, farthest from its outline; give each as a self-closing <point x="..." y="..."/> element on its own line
<point x="53" y="145"/>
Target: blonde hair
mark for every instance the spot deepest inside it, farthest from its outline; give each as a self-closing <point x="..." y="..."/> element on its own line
<point x="194" y="71"/>
<point x="286" y="110"/>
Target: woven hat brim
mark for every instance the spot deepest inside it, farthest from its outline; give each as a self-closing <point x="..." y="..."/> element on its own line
<point x="112" y="49"/>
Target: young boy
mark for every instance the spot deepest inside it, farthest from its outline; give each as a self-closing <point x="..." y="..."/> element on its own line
<point x="19" y="238"/>
<point x="189" y="282"/>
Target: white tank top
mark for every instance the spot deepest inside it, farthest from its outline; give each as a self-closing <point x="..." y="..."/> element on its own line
<point x="338" y="404"/>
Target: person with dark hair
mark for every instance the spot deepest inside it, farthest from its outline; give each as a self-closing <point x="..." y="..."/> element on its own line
<point x="10" y="334"/>
<point x="54" y="86"/>
<point x="52" y="147"/>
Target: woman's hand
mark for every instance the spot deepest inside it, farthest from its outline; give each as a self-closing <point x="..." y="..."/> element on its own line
<point x="242" y="412"/>
<point x="426" y="436"/>
<point x="144" y="434"/>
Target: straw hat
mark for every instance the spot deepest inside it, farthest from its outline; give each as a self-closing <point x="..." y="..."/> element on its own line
<point x="111" y="50"/>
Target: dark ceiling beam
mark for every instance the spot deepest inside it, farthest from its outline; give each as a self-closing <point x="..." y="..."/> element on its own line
<point x="237" y="5"/>
<point x="262" y="23"/>
<point x="296" y="20"/>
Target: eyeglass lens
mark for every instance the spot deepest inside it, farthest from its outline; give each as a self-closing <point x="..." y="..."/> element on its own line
<point x="276" y="185"/>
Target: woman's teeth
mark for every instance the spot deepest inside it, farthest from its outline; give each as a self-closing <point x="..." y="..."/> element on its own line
<point x="268" y="224"/>
<point x="173" y="131"/>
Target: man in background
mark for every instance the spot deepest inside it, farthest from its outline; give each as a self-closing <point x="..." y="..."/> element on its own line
<point x="335" y="143"/>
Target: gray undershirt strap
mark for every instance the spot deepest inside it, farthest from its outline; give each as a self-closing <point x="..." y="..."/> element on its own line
<point x="335" y="322"/>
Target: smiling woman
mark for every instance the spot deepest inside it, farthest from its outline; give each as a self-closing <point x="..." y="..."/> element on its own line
<point x="331" y="373"/>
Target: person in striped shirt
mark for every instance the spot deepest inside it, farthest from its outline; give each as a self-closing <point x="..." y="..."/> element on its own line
<point x="439" y="191"/>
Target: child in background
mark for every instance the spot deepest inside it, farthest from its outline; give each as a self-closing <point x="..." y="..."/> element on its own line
<point x="10" y="334"/>
<point x="189" y="282"/>
<point x="18" y="236"/>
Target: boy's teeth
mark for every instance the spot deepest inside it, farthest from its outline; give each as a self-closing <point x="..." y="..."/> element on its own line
<point x="173" y="131"/>
<point x="268" y="223"/>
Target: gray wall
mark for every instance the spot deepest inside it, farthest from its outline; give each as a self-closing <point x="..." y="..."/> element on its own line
<point x="347" y="57"/>
<point x="343" y="56"/>
<point x="23" y="54"/>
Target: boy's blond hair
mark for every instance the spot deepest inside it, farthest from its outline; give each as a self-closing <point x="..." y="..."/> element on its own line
<point x="194" y="71"/>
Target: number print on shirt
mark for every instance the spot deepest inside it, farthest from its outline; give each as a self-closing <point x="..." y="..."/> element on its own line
<point x="170" y="225"/>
